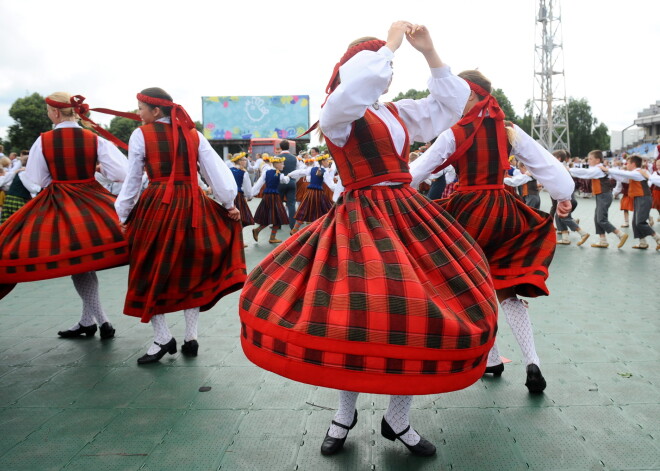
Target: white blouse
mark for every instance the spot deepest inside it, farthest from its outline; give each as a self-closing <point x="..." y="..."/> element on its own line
<point x="213" y="169"/>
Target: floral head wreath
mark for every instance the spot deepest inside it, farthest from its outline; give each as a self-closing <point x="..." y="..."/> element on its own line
<point x="238" y="156"/>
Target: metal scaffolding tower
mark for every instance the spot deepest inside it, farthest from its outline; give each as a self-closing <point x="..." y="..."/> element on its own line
<point x="550" y="110"/>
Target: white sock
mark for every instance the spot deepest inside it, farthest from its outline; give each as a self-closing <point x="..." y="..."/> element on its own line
<point x="564" y="235"/>
<point x="518" y="319"/>
<point x="191" y="316"/>
<point x="87" y="286"/>
<point x="603" y="238"/>
<point x="398" y="416"/>
<point x="656" y="237"/>
<point x="581" y="232"/>
<point x="494" y="356"/>
<point x="642" y="241"/>
<point x="162" y="333"/>
<point x="345" y="413"/>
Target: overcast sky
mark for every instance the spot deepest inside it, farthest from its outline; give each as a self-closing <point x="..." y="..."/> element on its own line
<point x="108" y="51"/>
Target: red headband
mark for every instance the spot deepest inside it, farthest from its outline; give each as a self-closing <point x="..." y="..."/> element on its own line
<point x="373" y="45"/>
<point x="180" y="120"/>
<point x="81" y="109"/>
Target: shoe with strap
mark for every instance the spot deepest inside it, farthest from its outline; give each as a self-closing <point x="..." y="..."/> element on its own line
<point x="422" y="448"/>
<point x="583" y="239"/>
<point x="622" y="241"/>
<point x="332" y="445"/>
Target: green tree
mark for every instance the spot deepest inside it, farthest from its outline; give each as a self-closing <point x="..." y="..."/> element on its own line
<point x="506" y="106"/>
<point x="413" y="94"/>
<point x="584" y="131"/>
<point x="31" y="120"/>
<point x="122" y="128"/>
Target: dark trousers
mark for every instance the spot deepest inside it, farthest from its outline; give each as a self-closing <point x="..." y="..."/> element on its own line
<point x="437" y="188"/>
<point x="533" y="201"/>
<point x="564" y="224"/>
<point x="640" y="223"/>
<point x="603" y="224"/>
<point x="288" y="190"/>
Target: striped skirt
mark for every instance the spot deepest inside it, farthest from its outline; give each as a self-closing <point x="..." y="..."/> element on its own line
<point x="384" y="294"/>
<point x="11" y="205"/>
<point x="246" y="215"/>
<point x="518" y="241"/>
<point x="314" y="205"/>
<point x="301" y="188"/>
<point x="174" y="266"/>
<point x="68" y="228"/>
<point x="271" y="211"/>
<point x="626" y="203"/>
<point x="656" y="198"/>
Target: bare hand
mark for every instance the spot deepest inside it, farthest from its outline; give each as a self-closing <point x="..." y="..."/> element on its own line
<point x="564" y="208"/>
<point x="420" y="38"/>
<point x="396" y="33"/>
<point x="234" y="214"/>
<point x="123" y="228"/>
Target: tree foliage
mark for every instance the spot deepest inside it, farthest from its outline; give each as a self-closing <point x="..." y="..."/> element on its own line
<point x="413" y="94"/>
<point x="506" y="106"/>
<point x="31" y="120"/>
<point x="584" y="131"/>
<point x="122" y="128"/>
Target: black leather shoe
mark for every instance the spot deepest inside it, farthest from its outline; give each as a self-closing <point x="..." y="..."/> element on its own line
<point x="423" y="448"/>
<point x="169" y="347"/>
<point x="332" y="445"/>
<point x="89" y="330"/>
<point x="535" y="380"/>
<point x="190" y="348"/>
<point x="106" y="331"/>
<point x="495" y="370"/>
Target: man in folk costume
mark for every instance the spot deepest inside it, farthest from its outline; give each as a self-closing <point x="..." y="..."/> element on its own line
<point x="518" y="241"/>
<point x="186" y="250"/>
<point x="383" y="294"/>
<point x="70" y="227"/>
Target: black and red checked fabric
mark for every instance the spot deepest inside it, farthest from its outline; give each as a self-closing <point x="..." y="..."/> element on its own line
<point x="518" y="241"/>
<point x="174" y="266"/>
<point x="246" y="214"/>
<point x="271" y="211"/>
<point x="315" y="204"/>
<point x="71" y="226"/>
<point x="369" y="157"/>
<point x="385" y="294"/>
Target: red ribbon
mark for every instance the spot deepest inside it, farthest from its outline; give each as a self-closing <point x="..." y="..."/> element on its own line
<point x="373" y="45"/>
<point x="77" y="103"/>
<point x="180" y="120"/>
<point x="488" y="107"/>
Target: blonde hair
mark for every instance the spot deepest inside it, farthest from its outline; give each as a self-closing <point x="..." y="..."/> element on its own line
<point x="5" y="161"/>
<point x="64" y="97"/>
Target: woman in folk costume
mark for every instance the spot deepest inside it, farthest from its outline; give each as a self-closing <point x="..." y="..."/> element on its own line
<point x="271" y="211"/>
<point x="186" y="250"/>
<point x="384" y="294"/>
<point x="518" y="240"/>
<point x="70" y="227"/>
<point x="302" y="183"/>
<point x="315" y="202"/>
<point x="239" y="171"/>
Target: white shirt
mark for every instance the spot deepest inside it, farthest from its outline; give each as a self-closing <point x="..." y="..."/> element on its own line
<point x="113" y="162"/>
<point x="517" y="180"/>
<point x="587" y="173"/>
<point x="215" y="172"/>
<point x="8" y="177"/>
<point x="541" y="163"/>
<point x="246" y="186"/>
<point x="262" y="180"/>
<point x="654" y="179"/>
<point x="626" y="175"/>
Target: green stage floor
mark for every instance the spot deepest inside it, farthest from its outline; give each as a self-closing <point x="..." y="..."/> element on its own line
<point x="85" y="404"/>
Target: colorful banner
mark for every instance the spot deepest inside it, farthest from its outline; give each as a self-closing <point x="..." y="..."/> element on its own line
<point x="247" y="117"/>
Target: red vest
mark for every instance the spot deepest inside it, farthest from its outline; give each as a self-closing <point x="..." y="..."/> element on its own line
<point x="159" y="152"/>
<point x="482" y="163"/>
<point x="369" y="155"/>
<point x="70" y="153"/>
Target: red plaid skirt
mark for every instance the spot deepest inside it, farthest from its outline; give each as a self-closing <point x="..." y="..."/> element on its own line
<point x="519" y="241"/>
<point x="246" y="215"/>
<point x="314" y="205"/>
<point x="174" y="266"/>
<point x="68" y="228"/>
<point x="301" y="188"/>
<point x="656" y="198"/>
<point x="271" y="211"/>
<point x="626" y="203"/>
<point x="449" y="189"/>
<point x="385" y="294"/>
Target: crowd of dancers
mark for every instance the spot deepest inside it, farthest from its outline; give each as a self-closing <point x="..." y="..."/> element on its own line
<point x="379" y="288"/>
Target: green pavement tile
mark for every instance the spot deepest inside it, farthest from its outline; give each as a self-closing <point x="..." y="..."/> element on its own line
<point x="22" y="353"/>
<point x="118" y="351"/>
<point x="197" y="441"/>
<point x="326" y="398"/>
<point x="581" y="348"/>
<point x="649" y="370"/>
<point x="232" y="388"/>
<point x="119" y="387"/>
<point x="66" y="353"/>
<point x="545" y="440"/>
<point x="644" y="416"/>
<point x="18" y="423"/>
<point x="53" y="444"/>
<point x="212" y="352"/>
<point x="127" y="441"/>
<point x="64" y="388"/>
<point x="480" y="394"/>
<point x="23" y="380"/>
<point x="237" y="358"/>
<point x="357" y="451"/>
<point x="176" y="388"/>
<point x="258" y="447"/>
<point x="281" y="393"/>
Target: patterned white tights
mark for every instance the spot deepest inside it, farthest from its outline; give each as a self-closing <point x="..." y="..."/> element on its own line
<point x="191" y="316"/>
<point x="494" y="356"/>
<point x="162" y="333"/>
<point x="398" y="416"/>
<point x="345" y="413"/>
<point x="518" y="319"/>
<point x="87" y="286"/>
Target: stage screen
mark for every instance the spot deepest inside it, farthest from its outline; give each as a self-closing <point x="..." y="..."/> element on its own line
<point x="247" y="117"/>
